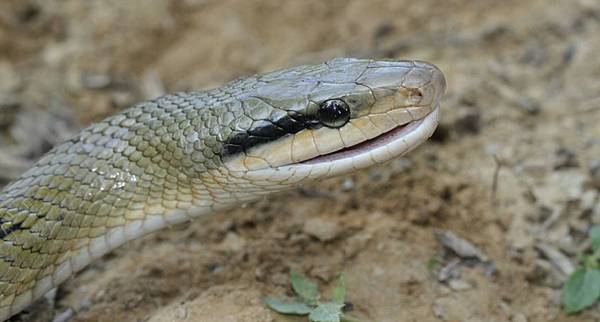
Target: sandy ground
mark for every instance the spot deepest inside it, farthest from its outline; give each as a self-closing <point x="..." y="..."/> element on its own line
<point x="514" y="168"/>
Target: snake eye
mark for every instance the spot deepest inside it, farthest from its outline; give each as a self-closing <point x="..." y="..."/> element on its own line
<point x="334" y="113"/>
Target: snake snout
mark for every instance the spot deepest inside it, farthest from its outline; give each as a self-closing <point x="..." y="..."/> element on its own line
<point x="434" y="85"/>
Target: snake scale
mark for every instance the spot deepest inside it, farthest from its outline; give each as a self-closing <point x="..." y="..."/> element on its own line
<point x="188" y="154"/>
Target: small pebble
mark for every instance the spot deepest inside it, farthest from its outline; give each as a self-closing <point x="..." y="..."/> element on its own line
<point x="461" y="247"/>
<point x="95" y="81"/>
<point x="588" y="200"/>
<point x="556" y="257"/>
<point x="528" y="104"/>
<point x="181" y="313"/>
<point x="347" y="184"/>
<point x="565" y="158"/>
<point x="459" y="285"/>
<point x="450" y="271"/>
<point x="233" y="242"/>
<point x="322" y="229"/>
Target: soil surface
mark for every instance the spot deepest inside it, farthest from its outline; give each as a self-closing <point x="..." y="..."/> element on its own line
<point x="513" y="170"/>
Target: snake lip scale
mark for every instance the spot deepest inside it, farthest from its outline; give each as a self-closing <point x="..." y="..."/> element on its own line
<point x="190" y="154"/>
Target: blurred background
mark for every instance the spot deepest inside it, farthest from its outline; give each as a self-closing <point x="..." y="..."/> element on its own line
<point x="513" y="171"/>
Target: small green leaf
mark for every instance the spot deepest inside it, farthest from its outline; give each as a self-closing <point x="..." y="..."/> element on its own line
<point x="296" y="308"/>
<point x="326" y="312"/>
<point x="595" y="236"/>
<point x="590" y="262"/>
<point x="433" y="264"/>
<point x="338" y="295"/>
<point x="306" y="289"/>
<point x="581" y="290"/>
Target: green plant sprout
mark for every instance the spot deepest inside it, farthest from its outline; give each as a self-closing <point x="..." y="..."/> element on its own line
<point x="582" y="289"/>
<point x="307" y="301"/>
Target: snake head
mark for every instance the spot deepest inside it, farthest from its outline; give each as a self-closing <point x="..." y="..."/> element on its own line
<point x="318" y="121"/>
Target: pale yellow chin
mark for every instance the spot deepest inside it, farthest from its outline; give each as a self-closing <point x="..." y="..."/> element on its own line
<point x="311" y="143"/>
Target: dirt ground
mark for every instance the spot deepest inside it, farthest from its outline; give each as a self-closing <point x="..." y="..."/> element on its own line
<point x="514" y="168"/>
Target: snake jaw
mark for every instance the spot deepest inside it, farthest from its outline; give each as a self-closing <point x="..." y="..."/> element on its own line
<point x="382" y="148"/>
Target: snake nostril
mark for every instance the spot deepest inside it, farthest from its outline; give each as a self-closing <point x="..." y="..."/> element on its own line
<point x="414" y="95"/>
<point x="418" y="93"/>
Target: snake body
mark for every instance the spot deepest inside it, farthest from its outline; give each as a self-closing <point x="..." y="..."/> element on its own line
<point x="188" y="154"/>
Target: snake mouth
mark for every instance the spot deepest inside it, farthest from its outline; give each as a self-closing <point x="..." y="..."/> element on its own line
<point x="365" y="146"/>
<point x="385" y="146"/>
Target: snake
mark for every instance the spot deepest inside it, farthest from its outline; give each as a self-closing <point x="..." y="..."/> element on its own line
<point x="189" y="154"/>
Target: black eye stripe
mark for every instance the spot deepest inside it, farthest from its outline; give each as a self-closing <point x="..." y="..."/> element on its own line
<point x="268" y="131"/>
<point x="289" y="124"/>
<point x="332" y="113"/>
<point x="232" y="149"/>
